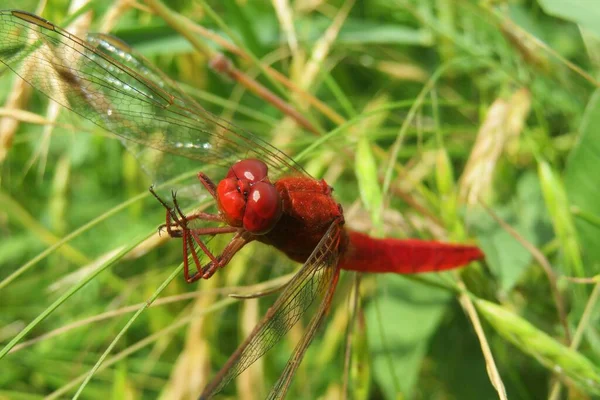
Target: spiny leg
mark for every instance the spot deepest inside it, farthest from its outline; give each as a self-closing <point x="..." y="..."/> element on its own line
<point x="176" y="205"/>
<point x="197" y="215"/>
<point x="193" y="235"/>
<point x="186" y="264"/>
<point x="190" y="237"/>
<point x="170" y="217"/>
<point x="184" y="233"/>
<point x="237" y="242"/>
<point x="208" y="184"/>
<point x="208" y="270"/>
<point x="186" y="270"/>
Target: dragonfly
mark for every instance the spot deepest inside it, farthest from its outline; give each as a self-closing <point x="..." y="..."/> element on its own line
<point x="263" y="196"/>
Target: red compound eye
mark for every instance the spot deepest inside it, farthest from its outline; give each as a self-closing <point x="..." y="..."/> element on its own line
<point x="263" y="208"/>
<point x="247" y="198"/>
<point x="251" y="170"/>
<point x="231" y="201"/>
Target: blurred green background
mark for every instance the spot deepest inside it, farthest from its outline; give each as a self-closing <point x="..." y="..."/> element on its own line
<point x="425" y="112"/>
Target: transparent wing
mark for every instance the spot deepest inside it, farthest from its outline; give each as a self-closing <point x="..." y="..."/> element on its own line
<point x="159" y="165"/>
<point x="105" y="82"/>
<point x="315" y="280"/>
<point x="283" y="383"/>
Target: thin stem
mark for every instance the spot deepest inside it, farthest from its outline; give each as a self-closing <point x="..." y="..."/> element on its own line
<point x="74" y="289"/>
<point x="492" y="369"/>
<point x="577" y="337"/>
<point x="140" y="345"/>
<point x="354" y="309"/>
<point x="84" y="228"/>
<point x="539" y="257"/>
<point x="223" y="65"/>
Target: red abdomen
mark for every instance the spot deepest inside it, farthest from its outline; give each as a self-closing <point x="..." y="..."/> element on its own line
<point x="308" y="211"/>
<point x="367" y="254"/>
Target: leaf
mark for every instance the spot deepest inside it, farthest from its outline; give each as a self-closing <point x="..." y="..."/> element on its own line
<point x="366" y="174"/>
<point x="557" y="203"/>
<point x="360" y="374"/>
<point x="444" y="175"/>
<point x="506" y="257"/>
<point x="553" y="355"/>
<point x="363" y="32"/>
<point x="400" y="324"/>
<point x="584" y="13"/>
<point x="581" y="181"/>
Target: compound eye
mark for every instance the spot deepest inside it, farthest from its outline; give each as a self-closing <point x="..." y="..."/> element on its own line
<point x="263" y="208"/>
<point x="231" y="201"/>
<point x="251" y="170"/>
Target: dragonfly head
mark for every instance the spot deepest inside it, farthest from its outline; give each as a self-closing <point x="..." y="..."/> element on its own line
<point x="248" y="199"/>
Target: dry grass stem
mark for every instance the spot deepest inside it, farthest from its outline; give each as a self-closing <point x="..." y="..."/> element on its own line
<point x="503" y="123"/>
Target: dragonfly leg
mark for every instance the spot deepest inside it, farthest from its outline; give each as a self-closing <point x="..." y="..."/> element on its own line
<point x="186" y="270"/>
<point x="176" y="218"/>
<point x="177" y="227"/>
<point x="237" y="242"/>
<point x="176" y="206"/>
<point x="208" y="184"/>
<point x="197" y="215"/>
<point x="171" y="216"/>
<point x="186" y="263"/>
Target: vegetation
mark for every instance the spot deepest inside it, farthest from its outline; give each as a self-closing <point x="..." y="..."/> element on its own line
<point x="465" y="121"/>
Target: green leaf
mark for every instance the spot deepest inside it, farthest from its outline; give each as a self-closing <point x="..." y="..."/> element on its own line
<point x="360" y="32"/>
<point x="366" y="174"/>
<point x="549" y="352"/>
<point x="581" y="182"/>
<point x="584" y="13"/>
<point x="506" y="257"/>
<point x="444" y="175"/>
<point x="360" y="374"/>
<point x="557" y="203"/>
<point x="400" y="324"/>
<point x="119" y="384"/>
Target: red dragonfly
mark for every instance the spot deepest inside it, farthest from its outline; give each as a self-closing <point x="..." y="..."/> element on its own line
<point x="265" y="196"/>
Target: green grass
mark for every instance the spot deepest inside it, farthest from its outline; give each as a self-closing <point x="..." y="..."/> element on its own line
<point x="428" y="113"/>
